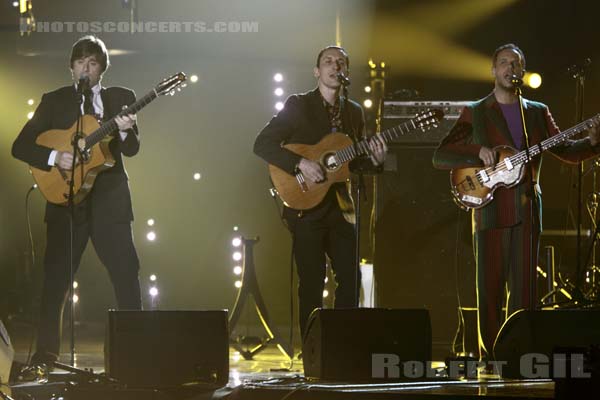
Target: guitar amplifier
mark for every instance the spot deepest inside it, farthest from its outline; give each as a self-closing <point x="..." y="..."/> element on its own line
<point x="397" y="112"/>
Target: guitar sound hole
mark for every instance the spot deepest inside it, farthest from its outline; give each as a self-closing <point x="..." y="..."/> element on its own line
<point x="331" y="162"/>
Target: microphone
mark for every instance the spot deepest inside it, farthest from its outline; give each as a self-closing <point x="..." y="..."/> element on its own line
<point x="83" y="84"/>
<point x="343" y="79"/>
<point x="516" y="80"/>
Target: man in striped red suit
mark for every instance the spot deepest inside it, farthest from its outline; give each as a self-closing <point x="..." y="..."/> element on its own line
<point x="502" y="230"/>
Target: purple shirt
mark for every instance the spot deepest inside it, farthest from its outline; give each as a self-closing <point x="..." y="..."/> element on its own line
<point x="512" y="115"/>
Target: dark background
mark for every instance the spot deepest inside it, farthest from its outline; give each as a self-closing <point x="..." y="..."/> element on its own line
<point x="441" y="49"/>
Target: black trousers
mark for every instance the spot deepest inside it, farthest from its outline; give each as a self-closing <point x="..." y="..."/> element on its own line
<point x="314" y="239"/>
<point x="113" y="243"/>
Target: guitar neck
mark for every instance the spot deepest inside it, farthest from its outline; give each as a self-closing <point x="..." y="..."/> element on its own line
<point x="361" y="148"/>
<point x="552" y="141"/>
<point x="111" y="126"/>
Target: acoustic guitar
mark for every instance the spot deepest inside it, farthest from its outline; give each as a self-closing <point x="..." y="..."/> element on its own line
<point x="333" y="153"/>
<point x="93" y="155"/>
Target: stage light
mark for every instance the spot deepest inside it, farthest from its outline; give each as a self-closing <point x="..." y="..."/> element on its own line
<point x="75" y="299"/>
<point x="153" y="278"/>
<point x="236" y="356"/>
<point x="194" y="78"/>
<point x="368" y="89"/>
<point x="237" y="256"/>
<point x="372" y="64"/>
<point x="15" y="4"/>
<point x="278" y="91"/>
<point x="197" y="176"/>
<point x="237" y="270"/>
<point x="279" y="106"/>
<point x="30" y="102"/>
<point x="150" y="222"/>
<point x="326" y="279"/>
<point x="534" y="80"/>
<point x="235" y="228"/>
<point x="382" y="64"/>
<point x="75" y="284"/>
<point x="368" y="103"/>
<point x="238" y="284"/>
<point x="153" y="291"/>
<point x="151" y="236"/>
<point x="325" y="293"/>
<point x="278" y="77"/>
<point x="236" y="242"/>
<point x="30" y="115"/>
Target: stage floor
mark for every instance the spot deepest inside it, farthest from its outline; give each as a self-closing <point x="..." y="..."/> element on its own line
<point x="271" y="375"/>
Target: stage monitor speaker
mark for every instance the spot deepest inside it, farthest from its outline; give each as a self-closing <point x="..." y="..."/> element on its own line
<point x="339" y="344"/>
<point x="6" y="355"/>
<point x="167" y="348"/>
<point x="542" y="332"/>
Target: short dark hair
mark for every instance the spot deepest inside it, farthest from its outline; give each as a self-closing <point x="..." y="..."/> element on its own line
<point x="508" y="46"/>
<point x="341" y="49"/>
<point x="90" y="46"/>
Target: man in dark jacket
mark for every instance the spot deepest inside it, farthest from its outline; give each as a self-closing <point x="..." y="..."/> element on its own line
<point x="327" y="229"/>
<point x="105" y="215"/>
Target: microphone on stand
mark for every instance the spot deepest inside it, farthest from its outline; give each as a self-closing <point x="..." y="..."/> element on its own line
<point x="516" y="80"/>
<point x="83" y="84"/>
<point x="343" y="79"/>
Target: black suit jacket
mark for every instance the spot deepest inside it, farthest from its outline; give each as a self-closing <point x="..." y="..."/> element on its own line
<point x="110" y="199"/>
<point x="304" y="120"/>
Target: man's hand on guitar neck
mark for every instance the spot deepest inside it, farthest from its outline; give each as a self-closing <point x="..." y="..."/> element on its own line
<point x="311" y="170"/>
<point x="488" y="156"/>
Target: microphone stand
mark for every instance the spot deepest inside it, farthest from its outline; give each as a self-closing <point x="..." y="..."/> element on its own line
<point x="359" y="190"/>
<point x="517" y="82"/>
<point x="71" y="204"/>
<point x="578" y="73"/>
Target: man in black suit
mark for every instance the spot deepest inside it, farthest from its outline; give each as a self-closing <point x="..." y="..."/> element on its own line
<point x="105" y="215"/>
<point x="327" y="229"/>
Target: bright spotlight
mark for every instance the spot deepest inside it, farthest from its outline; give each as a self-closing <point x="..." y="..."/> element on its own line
<point x="197" y="176"/>
<point x="235" y="228"/>
<point x="75" y="299"/>
<point x="372" y="64"/>
<point x="75" y="284"/>
<point x="150" y="222"/>
<point x="368" y="103"/>
<point x="194" y="78"/>
<point x="278" y="106"/>
<point x="534" y="80"/>
<point x="382" y="64"/>
<point x="153" y="278"/>
<point x="237" y="270"/>
<point x="151" y="236"/>
<point x="15" y="4"/>
<point x="326" y="279"/>
<point x="278" y="77"/>
<point x="368" y="89"/>
<point x="325" y="293"/>
<point x="30" y="115"/>
<point x="237" y="256"/>
<point x="278" y="92"/>
<point x="236" y="242"/>
<point x="238" y="284"/>
<point x="153" y="291"/>
<point x="30" y="102"/>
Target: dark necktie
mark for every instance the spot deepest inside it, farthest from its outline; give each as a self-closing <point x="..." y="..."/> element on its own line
<point x="88" y="106"/>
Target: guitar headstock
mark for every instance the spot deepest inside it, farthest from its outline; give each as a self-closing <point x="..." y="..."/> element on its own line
<point x="171" y="84"/>
<point x="429" y="119"/>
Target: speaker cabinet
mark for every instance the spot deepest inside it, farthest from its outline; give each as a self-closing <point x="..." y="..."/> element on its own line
<point x="167" y="348"/>
<point x="526" y="334"/>
<point x="340" y="343"/>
